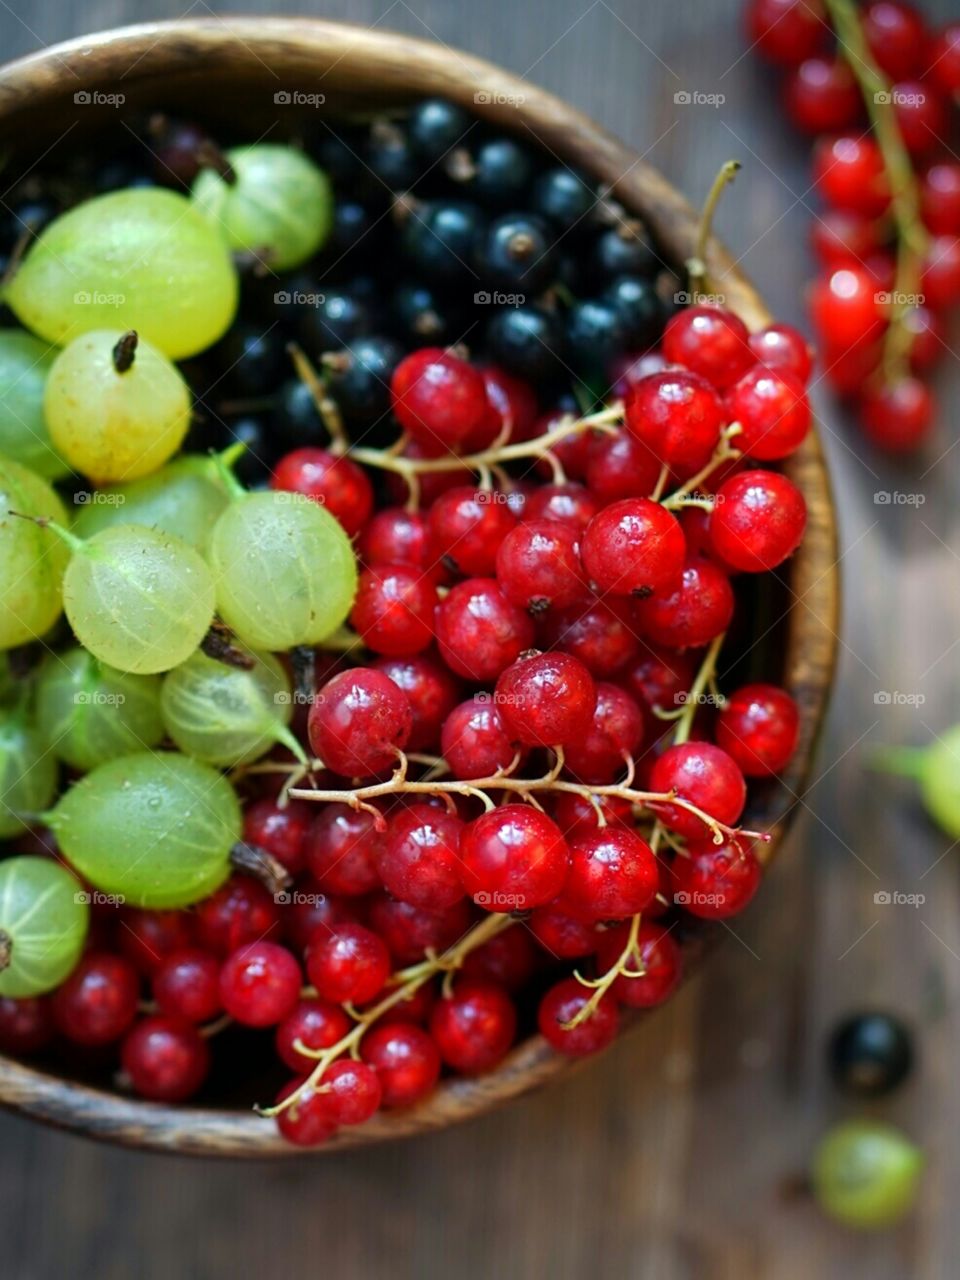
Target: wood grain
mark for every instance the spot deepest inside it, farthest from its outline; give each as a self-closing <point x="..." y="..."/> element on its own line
<point x="668" y="1159"/>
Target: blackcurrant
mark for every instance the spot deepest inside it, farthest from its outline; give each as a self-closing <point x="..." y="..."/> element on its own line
<point x="562" y="196"/>
<point x="497" y="173"/>
<point x="526" y="340"/>
<point x="358" y="378"/>
<point x="517" y="253"/>
<point x="638" y="308"/>
<point x="333" y="320"/>
<point x="437" y="125"/>
<point x="440" y="237"/>
<point x="624" y="250"/>
<point x="596" y="335"/>
<point x="870" y="1054"/>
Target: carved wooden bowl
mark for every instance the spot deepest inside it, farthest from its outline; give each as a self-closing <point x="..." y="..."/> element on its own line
<point x="232" y="72"/>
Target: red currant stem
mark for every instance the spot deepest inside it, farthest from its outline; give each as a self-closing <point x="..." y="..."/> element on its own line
<point x="214" y="1028"/>
<point x="912" y="236"/>
<point x="661" y="484"/>
<point x="695" y="693"/>
<point x="697" y="265"/>
<point x="359" y="797"/>
<point x="905" y="762"/>
<point x="724" y="452"/>
<point x="539" y="447"/>
<point x="327" y="408"/>
<point x="408" y="981"/>
<point x="600" y="986"/>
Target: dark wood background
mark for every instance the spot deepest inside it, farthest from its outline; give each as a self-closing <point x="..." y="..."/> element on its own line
<point x="675" y="1156"/>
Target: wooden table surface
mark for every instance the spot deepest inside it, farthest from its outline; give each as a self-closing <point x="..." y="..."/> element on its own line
<point x="674" y="1156"/>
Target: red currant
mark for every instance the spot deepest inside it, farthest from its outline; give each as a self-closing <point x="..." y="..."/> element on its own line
<point x="538" y="566"/>
<point x="787" y="31"/>
<point x="240" y="911"/>
<point x="508" y="959"/>
<point x="395" y="536"/>
<point x="342" y="850"/>
<point x="354" y="1091"/>
<point x="940" y="281"/>
<point x="187" y="985"/>
<point x="308" y="1121"/>
<point x="613" y="874"/>
<point x="562" y="935"/>
<point x="281" y="831"/>
<point x="612" y="739"/>
<point x="317" y="1024"/>
<point x="780" y="346"/>
<point x="358" y="723"/>
<point x="393" y="609"/>
<point x="350" y="964"/>
<point x="479" y="632"/>
<point x="166" y="1059"/>
<point x="620" y="465"/>
<point x="758" y="521"/>
<point x="420" y="862"/>
<point x="466" y="526"/>
<point x="921" y="114"/>
<point x="660" y="678"/>
<point x="678" y="415"/>
<point x="439" y="399"/>
<point x="711" y="341"/>
<point x="26" y="1025"/>
<point x="474" y="742"/>
<point x="758" y="728"/>
<point x="575" y="813"/>
<point x="897" y="37"/>
<point x="571" y="504"/>
<point x="146" y="937"/>
<point x="897" y="416"/>
<point x="98" y="1002"/>
<point x="561" y="1005"/>
<point x="703" y="775"/>
<point x="474" y="1026"/>
<point x="409" y="931"/>
<point x="941" y="198"/>
<point x="633" y="547"/>
<point x="596" y="633"/>
<point x="842" y="239"/>
<point x="699" y="610"/>
<point x="260" y="984"/>
<point x="821" y="96"/>
<point x="945" y="59"/>
<point x="336" y="483"/>
<point x="405" y="1059"/>
<point x="845" y="308"/>
<point x="715" y="881"/>
<point x="431" y="691"/>
<point x="514" y="405"/>
<point x="514" y="858"/>
<point x="849" y="174"/>
<point x="656" y="956"/>
<point x="546" y="699"/>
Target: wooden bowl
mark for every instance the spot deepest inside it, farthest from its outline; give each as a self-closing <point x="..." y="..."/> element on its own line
<point x="232" y="72"/>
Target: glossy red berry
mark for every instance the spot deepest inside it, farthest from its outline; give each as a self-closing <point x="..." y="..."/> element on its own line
<point x="571" y="504"/>
<point x="405" y="1059"/>
<point x="358" y="723"/>
<point x="240" y="911"/>
<point x="420" y="861"/>
<point x="897" y="416"/>
<point x="98" y="1002"/>
<point x="821" y="96"/>
<point x="514" y="858"/>
<point x="393" y="610"/>
<point x="336" y="483"/>
<point x="705" y="776"/>
<point x="439" y="399"/>
<point x="773" y="411"/>
<point x="26" y="1025"/>
<point x="613" y="874"/>
<point x="474" y="1026"/>
<point x="561" y="1005"/>
<point x="466" y="526"/>
<point x="260" y="984"/>
<point x="758" y="521"/>
<point x="660" y="678"/>
<point x="780" y="346"/>
<point x="715" y="881"/>
<point x="474" y="742"/>
<point x="395" y="536"/>
<point x="575" y="813"/>
<point x="282" y="831"/>
<point x="849" y="174"/>
<point x="656" y="956"/>
<point x="538" y="566"/>
<point x="354" y="1091"/>
<point x="479" y="632"/>
<point x="409" y="931"/>
<point x="921" y="115"/>
<point x="342" y="850"/>
<point x="620" y="465"/>
<point x="612" y="739"/>
<point x="431" y="691"/>
<point x="897" y="37"/>
<point x="840" y="239"/>
<point x="758" y="726"/>
<point x="940" y="198"/>
<point x="308" y="1121"/>
<point x="570" y="451"/>
<point x="678" y="415"/>
<point x="350" y="964"/>
<point x="928" y="342"/>
<point x="845" y="309"/>
<point x="546" y="699"/>
<point x="514" y="405"/>
<point x="318" y="1024"/>
<point x="940" y="281"/>
<point x="711" y="341"/>
<point x="696" y="612"/>
<point x="146" y="937"/>
<point x="562" y="935"/>
<point x="787" y="31"/>
<point x="596" y="633"/>
<point x="945" y="59"/>
<point x="166" y="1059"/>
<point x="633" y="547"/>
<point x="187" y="985"/>
<point x="507" y="959"/>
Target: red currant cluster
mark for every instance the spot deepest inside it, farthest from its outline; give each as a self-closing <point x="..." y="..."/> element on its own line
<point x="874" y="86"/>
<point x="535" y="769"/>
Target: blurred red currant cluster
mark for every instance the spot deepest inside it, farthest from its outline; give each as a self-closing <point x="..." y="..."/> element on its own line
<point x="875" y="86"/>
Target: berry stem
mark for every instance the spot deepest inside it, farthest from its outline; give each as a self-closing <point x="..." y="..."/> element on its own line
<point x="904" y="195"/>
<point x="407" y="983"/>
<point x="703" y="679"/>
<point x="723" y="453"/>
<point x="602" y="985"/>
<point x="697" y="265"/>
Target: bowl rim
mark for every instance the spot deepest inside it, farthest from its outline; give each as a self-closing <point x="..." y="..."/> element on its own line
<point x="415" y="67"/>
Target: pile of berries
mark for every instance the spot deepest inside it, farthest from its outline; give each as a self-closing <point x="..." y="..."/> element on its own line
<point x="874" y="86"/>
<point x="517" y="781"/>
